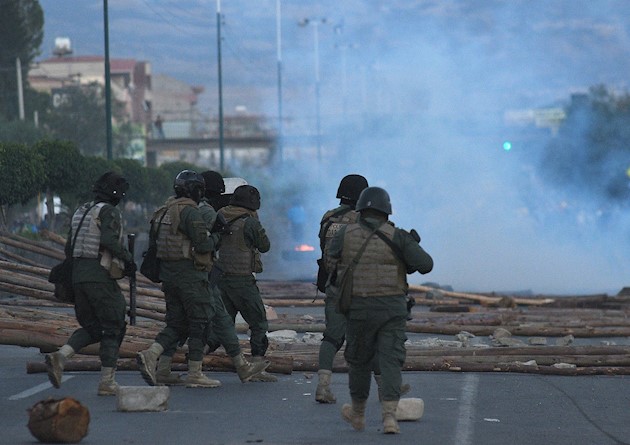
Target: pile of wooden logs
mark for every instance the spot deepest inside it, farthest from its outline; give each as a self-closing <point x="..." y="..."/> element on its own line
<point x="30" y="316"/>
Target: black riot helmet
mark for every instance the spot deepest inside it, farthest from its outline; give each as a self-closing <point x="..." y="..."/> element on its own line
<point x="110" y="187"/>
<point x="214" y="183"/>
<point x="189" y="184"/>
<point x="374" y="198"/>
<point x="350" y="188"/>
<point x="246" y="196"/>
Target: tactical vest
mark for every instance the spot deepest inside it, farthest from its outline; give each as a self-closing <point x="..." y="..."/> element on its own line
<point x="235" y="257"/>
<point x="334" y="222"/>
<point x="88" y="241"/>
<point x="172" y="244"/>
<point x="379" y="272"/>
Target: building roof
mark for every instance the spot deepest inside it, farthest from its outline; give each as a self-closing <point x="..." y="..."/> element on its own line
<point x="115" y="65"/>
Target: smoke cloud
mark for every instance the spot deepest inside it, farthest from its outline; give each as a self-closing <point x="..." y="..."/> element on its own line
<point x="413" y="95"/>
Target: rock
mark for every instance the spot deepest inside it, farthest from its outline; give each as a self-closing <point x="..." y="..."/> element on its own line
<point x="564" y="365"/>
<point x="501" y="333"/>
<point x="540" y="341"/>
<point x="143" y="398"/>
<point x="283" y="336"/>
<point x="565" y="341"/>
<point x="410" y="409"/>
<point x="312" y="338"/>
<point x="507" y="341"/>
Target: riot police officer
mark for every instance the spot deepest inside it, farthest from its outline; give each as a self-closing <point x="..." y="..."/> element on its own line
<point x="376" y="256"/>
<point x="95" y="242"/>
<point x="239" y="261"/>
<point x="184" y="248"/>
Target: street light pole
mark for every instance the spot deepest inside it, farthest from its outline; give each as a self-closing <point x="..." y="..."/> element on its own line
<point x="108" y="85"/>
<point x="316" y="22"/>
<point x="279" y="59"/>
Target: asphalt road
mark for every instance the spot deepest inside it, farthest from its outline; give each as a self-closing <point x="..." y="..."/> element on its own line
<point x="460" y="409"/>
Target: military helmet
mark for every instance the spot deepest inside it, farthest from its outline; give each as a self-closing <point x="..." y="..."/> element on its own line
<point x="214" y="182"/>
<point x="246" y="196"/>
<point x="374" y="198"/>
<point x="111" y="186"/>
<point x="351" y="187"/>
<point x="190" y="184"/>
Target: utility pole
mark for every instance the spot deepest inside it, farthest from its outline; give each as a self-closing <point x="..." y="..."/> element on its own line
<point x="279" y="58"/>
<point x="18" y="68"/>
<point x="220" y="78"/>
<point x="108" y="85"/>
<point x="316" y="22"/>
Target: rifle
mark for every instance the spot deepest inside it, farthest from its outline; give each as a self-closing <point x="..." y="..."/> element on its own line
<point x="131" y="242"/>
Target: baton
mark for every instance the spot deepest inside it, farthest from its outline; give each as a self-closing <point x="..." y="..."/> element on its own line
<point x="131" y="242"/>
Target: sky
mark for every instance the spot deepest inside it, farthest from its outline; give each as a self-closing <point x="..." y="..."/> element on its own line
<point x="413" y="95"/>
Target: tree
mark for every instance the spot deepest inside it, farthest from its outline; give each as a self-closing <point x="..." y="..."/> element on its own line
<point x="591" y="154"/>
<point x="80" y="118"/>
<point x="23" y="175"/>
<point x="63" y="164"/>
<point x="20" y="132"/>
<point x="21" y="34"/>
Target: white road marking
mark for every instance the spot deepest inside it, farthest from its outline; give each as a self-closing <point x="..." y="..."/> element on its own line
<point x="464" y="431"/>
<point x="39" y="388"/>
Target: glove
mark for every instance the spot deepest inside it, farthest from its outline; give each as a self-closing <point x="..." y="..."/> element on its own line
<point x="130" y="268"/>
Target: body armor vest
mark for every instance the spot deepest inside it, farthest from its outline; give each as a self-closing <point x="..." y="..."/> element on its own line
<point x="234" y="256"/>
<point x="88" y="241"/>
<point x="334" y="222"/>
<point x="379" y="272"/>
<point x="172" y="244"/>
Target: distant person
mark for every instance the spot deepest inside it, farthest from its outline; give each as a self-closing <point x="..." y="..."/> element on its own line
<point x="159" y="126"/>
<point x="382" y="255"/>
<point x="99" y="305"/>
<point x="297" y="218"/>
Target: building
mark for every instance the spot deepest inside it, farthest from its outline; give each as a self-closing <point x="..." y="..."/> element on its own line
<point x="130" y="81"/>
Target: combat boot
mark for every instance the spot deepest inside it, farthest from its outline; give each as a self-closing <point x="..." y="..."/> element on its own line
<point x="262" y="376"/>
<point x="323" y="393"/>
<point x="196" y="378"/>
<point x="164" y="376"/>
<point x="107" y="386"/>
<point x="147" y="362"/>
<point x="404" y="388"/>
<point x="390" y="424"/>
<point x="55" y="363"/>
<point x="354" y="414"/>
<point x="247" y="370"/>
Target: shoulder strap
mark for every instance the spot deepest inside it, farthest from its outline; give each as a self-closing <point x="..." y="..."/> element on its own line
<point x="355" y="260"/>
<point x="397" y="251"/>
<point x="157" y="231"/>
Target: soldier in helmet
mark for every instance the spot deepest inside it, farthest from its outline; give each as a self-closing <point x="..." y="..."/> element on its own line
<point x="184" y="248"/>
<point x="382" y="255"/>
<point x="99" y="259"/>
<point x="223" y="331"/>
<point x="348" y="192"/>
<point x="239" y="259"/>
